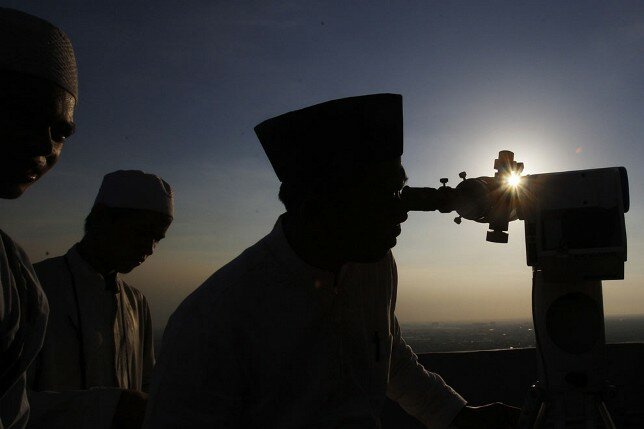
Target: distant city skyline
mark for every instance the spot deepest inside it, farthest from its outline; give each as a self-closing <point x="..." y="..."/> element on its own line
<point x="175" y="88"/>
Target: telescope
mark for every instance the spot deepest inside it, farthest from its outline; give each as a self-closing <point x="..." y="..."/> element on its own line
<point x="575" y="237"/>
<point x="574" y="220"/>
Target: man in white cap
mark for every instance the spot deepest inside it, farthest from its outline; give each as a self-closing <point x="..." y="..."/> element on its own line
<point x="97" y="357"/>
<point x="300" y="330"/>
<point x="38" y="92"/>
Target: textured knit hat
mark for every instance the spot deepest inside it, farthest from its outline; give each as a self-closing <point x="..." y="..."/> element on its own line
<point x="33" y="46"/>
<point x="134" y="189"/>
<point x="304" y="144"/>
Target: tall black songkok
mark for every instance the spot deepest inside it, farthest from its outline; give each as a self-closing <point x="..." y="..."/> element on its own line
<point x="306" y="144"/>
<point x="35" y="47"/>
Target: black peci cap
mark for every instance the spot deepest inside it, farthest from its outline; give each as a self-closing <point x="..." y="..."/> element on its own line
<point x="304" y="144"/>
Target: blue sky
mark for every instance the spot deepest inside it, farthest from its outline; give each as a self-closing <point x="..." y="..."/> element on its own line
<point x="175" y="88"/>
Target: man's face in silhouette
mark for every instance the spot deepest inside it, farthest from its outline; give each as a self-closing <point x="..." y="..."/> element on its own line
<point x="367" y="214"/>
<point x="36" y="117"/>
<point x="127" y="237"/>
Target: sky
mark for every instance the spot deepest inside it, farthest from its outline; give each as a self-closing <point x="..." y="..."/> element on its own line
<point x="175" y="88"/>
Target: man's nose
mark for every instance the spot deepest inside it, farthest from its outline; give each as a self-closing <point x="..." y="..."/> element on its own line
<point x="41" y="143"/>
<point x="149" y="248"/>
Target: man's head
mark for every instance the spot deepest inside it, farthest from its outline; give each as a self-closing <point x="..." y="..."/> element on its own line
<point x="360" y="217"/>
<point x="38" y="91"/>
<point x="339" y="163"/>
<point x="131" y="214"/>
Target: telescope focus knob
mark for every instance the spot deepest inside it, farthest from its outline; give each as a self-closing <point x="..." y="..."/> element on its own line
<point x="444" y="181"/>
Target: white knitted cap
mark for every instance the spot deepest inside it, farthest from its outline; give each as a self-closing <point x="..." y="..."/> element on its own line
<point x="134" y="189"/>
<point x="35" y="47"/>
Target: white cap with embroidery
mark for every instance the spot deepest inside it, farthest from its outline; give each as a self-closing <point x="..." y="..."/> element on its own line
<point x="35" y="47"/>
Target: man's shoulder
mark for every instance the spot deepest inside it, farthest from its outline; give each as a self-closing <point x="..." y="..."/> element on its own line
<point x="250" y="264"/>
<point x="54" y="278"/>
<point x="55" y="262"/>
<point x="50" y="269"/>
<point x="235" y="281"/>
<point x="7" y="244"/>
<point x="6" y="240"/>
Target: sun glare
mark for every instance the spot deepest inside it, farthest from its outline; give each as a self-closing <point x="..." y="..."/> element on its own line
<point x="514" y="180"/>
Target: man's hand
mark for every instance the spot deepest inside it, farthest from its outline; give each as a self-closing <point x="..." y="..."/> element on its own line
<point x="490" y="416"/>
<point x="130" y="410"/>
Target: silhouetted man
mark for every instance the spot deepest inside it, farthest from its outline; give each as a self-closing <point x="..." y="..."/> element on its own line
<point x="38" y="90"/>
<point x="300" y="329"/>
<point x="98" y="355"/>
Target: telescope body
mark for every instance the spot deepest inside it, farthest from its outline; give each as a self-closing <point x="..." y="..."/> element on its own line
<point x="574" y="223"/>
<point x="573" y="219"/>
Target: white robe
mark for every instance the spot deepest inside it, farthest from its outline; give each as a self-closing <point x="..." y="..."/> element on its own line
<point x="271" y="342"/>
<point x="117" y="343"/>
<point x="23" y="317"/>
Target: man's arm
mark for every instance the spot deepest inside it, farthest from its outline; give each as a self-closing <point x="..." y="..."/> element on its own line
<point x="425" y="395"/>
<point x="197" y="381"/>
<point x="421" y="393"/>
<point x="98" y="407"/>
<point x="490" y="416"/>
<point x="82" y="409"/>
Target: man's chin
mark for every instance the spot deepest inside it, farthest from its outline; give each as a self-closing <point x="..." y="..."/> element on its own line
<point x="12" y="191"/>
<point x="127" y="268"/>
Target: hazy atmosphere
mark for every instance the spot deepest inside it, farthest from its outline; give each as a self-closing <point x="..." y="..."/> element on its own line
<point x="175" y="88"/>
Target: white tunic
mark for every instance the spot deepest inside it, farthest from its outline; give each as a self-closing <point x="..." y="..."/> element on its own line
<point x="23" y="317"/>
<point x="271" y="342"/>
<point x="74" y="388"/>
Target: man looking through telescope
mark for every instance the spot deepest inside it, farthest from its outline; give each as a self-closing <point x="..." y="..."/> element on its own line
<point x="300" y="330"/>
